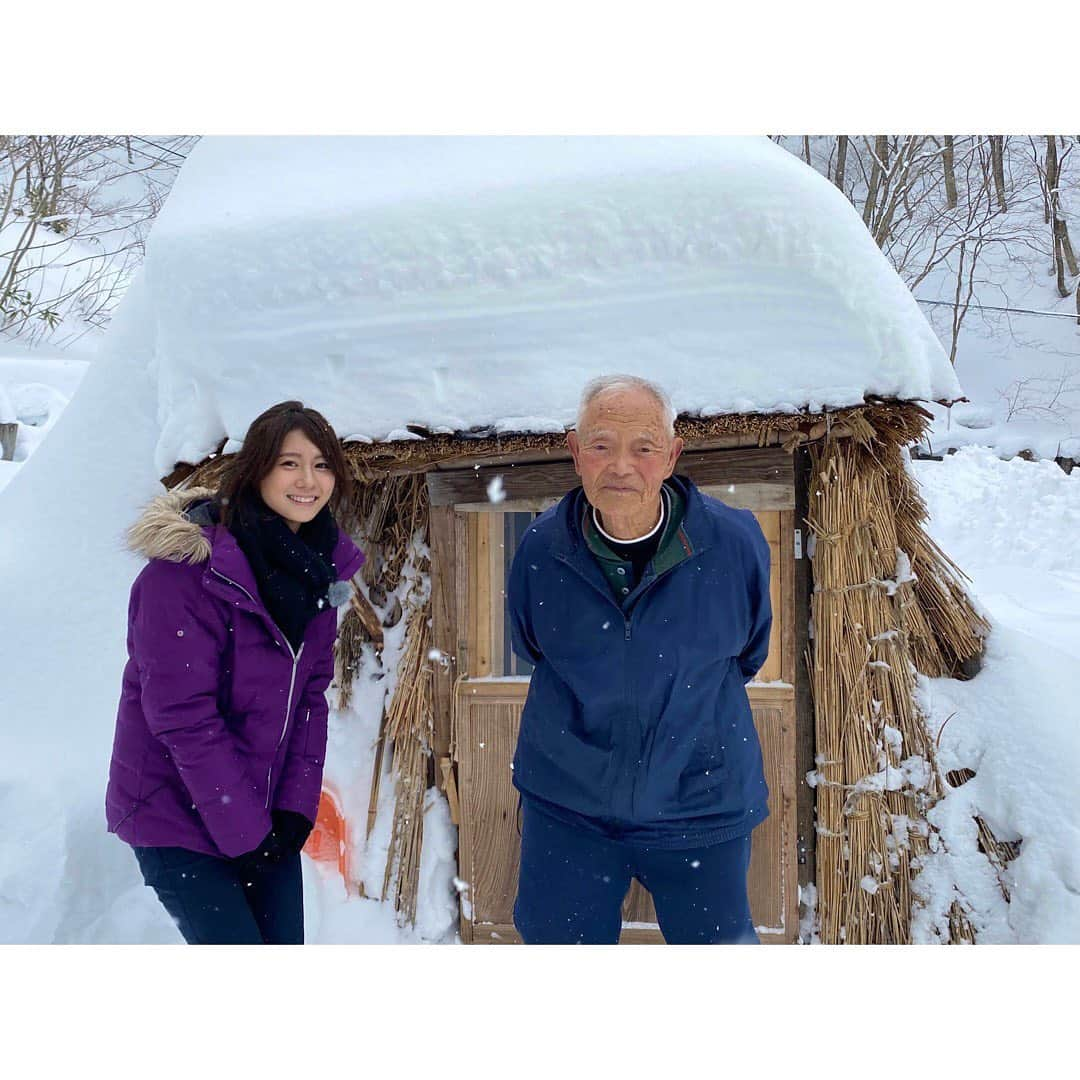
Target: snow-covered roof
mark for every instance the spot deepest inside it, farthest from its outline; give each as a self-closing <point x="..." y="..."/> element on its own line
<point x="463" y="283"/>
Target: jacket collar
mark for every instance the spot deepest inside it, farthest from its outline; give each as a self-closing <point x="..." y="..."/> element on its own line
<point x="693" y="536"/>
<point x="228" y="562"/>
<point x="175" y="527"/>
<point x="672" y="548"/>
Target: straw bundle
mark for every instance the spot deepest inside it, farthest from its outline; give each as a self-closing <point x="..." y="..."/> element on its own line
<point x="865" y="720"/>
<point x="876" y="769"/>
<point x="393" y="519"/>
<point x="409" y="724"/>
<point x="390" y="516"/>
<point x="954" y="631"/>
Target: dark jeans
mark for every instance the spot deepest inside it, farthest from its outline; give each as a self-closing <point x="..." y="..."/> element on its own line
<point x="572" y="883"/>
<point x="213" y="903"/>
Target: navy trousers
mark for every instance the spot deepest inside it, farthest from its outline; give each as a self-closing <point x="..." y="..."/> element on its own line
<point x="572" y="883"/>
<point x="213" y="903"/>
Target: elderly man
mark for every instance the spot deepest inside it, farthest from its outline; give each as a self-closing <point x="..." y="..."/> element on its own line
<point x="644" y="606"/>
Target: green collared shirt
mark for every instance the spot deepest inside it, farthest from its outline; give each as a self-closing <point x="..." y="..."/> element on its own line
<point x="672" y="549"/>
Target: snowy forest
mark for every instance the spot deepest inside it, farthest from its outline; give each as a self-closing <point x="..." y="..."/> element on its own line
<point x="982" y="230"/>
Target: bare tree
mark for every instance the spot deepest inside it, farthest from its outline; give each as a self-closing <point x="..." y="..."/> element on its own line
<point x="879" y="158"/>
<point x="1042" y="396"/>
<point x="997" y="157"/>
<point x="74" y="215"/>
<point x="841" y="160"/>
<point x="948" y="164"/>
<point x="1061" y="247"/>
<point x="934" y="204"/>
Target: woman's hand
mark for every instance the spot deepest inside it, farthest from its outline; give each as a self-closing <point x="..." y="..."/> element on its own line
<point x="292" y="828"/>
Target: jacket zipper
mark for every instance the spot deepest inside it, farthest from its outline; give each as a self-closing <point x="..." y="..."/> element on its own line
<point x="292" y="680"/>
<point x="285" y="726"/>
<point x="606" y="593"/>
<point x="631" y="706"/>
<point x="288" y="645"/>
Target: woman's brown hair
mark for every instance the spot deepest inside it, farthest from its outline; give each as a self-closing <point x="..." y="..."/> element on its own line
<point x="245" y="470"/>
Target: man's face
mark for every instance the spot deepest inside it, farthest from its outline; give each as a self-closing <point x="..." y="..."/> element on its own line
<point x="623" y="453"/>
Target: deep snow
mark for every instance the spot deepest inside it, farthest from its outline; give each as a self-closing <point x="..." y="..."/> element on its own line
<point x="65" y="577"/>
<point x="34" y="390"/>
<point x="458" y="283"/>
<point x="1012" y="526"/>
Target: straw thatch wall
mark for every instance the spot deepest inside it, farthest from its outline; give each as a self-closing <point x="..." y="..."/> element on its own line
<point x="887" y="602"/>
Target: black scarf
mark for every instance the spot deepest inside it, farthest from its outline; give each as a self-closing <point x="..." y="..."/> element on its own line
<point x="294" y="571"/>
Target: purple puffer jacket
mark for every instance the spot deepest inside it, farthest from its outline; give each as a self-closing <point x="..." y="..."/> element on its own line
<point x="219" y="722"/>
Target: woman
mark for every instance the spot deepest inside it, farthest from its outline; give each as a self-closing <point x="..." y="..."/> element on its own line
<point x="218" y="755"/>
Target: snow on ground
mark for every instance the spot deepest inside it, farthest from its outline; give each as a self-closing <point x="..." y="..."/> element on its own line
<point x="456" y="283"/>
<point x="34" y="389"/>
<point x="1021" y="399"/>
<point x="1012" y="526"/>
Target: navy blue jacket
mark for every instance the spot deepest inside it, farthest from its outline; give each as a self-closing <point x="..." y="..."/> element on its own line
<point x="637" y="713"/>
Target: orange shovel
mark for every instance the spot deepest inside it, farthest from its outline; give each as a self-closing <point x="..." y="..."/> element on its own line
<point x="329" y="840"/>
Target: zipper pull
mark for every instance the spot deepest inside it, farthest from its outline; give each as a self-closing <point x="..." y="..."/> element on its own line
<point x="626" y="622"/>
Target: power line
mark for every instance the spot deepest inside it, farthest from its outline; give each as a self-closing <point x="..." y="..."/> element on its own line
<point x="150" y="142"/>
<point x="991" y="307"/>
<point x="123" y="145"/>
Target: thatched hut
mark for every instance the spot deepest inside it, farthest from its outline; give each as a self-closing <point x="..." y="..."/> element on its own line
<point x="475" y="305"/>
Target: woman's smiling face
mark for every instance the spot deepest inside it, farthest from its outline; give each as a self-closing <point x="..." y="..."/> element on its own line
<point x="300" y="483"/>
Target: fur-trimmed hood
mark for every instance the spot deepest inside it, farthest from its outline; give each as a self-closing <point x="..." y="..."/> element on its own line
<point x="165" y="531"/>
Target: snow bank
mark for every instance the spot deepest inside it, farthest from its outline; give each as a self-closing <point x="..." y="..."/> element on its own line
<point x="461" y="283"/>
<point x="64" y="578"/>
<point x="34" y="391"/>
<point x="1012" y="525"/>
<point x="989" y="424"/>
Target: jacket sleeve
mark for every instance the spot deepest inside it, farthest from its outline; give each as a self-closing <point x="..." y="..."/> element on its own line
<point x="522" y="640"/>
<point x="757" y="643"/>
<point x="178" y="639"/>
<point x="300" y="784"/>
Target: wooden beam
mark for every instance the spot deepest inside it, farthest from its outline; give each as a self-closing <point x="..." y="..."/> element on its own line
<point x="461" y="595"/>
<point x="802" y="586"/>
<point x="8" y="434"/>
<point x="497" y="594"/>
<point x="535" y="483"/>
<point x="443" y="624"/>
<point x="509" y="506"/>
<point x="753" y="496"/>
<point x="526" y="482"/>
<point x="739" y="496"/>
<point x="787" y="594"/>
<point x="562" y="453"/>
<point x="479" y="624"/>
<point x="767" y="465"/>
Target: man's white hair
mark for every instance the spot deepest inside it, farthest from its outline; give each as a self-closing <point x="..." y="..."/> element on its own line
<point x="595" y="387"/>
